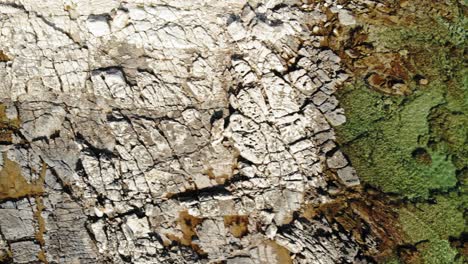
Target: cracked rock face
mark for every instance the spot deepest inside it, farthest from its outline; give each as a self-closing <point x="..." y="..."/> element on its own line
<point x="169" y="132"/>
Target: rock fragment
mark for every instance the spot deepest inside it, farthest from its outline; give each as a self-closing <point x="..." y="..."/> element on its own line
<point x="346" y="18"/>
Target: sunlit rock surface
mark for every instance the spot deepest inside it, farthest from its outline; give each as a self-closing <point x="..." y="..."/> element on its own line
<point x="171" y="132"/>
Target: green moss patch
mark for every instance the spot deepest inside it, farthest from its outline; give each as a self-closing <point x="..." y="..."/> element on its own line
<point x="387" y="140"/>
<point x="412" y="143"/>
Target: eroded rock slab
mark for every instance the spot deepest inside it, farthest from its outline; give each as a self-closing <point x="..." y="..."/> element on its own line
<point x="171" y="132"/>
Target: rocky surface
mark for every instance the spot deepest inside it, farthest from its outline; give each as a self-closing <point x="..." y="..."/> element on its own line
<point x="157" y="132"/>
<point x="179" y="132"/>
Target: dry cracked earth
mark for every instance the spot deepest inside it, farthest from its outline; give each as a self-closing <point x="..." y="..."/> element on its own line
<point x="170" y="131"/>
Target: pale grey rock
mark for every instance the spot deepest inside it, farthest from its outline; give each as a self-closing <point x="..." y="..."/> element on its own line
<point x="336" y="117"/>
<point x="67" y="239"/>
<point x="136" y="227"/>
<point x="98" y="25"/>
<point x="41" y="120"/>
<point x="157" y="122"/>
<point x="25" y="251"/>
<point x="18" y="222"/>
<point x="240" y="260"/>
<point x="346" y="18"/>
<point x="337" y="160"/>
<point x="349" y="176"/>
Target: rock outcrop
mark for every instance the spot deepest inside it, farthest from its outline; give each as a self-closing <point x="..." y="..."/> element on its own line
<point x="171" y="132"/>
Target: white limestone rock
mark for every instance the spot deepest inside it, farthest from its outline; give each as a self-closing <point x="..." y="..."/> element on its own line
<point x="346" y="18"/>
<point x="155" y="122"/>
<point x="137" y="227"/>
<point x="98" y="25"/>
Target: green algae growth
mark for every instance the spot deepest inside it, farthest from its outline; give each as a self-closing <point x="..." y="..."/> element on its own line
<point x="412" y="144"/>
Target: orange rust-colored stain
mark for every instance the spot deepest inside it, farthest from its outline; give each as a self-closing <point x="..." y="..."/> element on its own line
<point x="237" y="224"/>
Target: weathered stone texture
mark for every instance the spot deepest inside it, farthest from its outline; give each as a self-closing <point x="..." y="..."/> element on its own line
<point x="172" y="132"/>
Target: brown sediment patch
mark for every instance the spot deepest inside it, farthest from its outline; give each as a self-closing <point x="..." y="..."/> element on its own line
<point x="187" y="223"/>
<point x="385" y="69"/>
<point x="387" y="72"/>
<point x="422" y="156"/>
<point x="13" y="185"/>
<point x="281" y="254"/>
<point x="363" y="214"/>
<point x="410" y="254"/>
<point x="40" y="220"/>
<point x="42" y="257"/>
<point x="461" y="244"/>
<point x="7" y="126"/>
<point x="4" y="57"/>
<point x="237" y="224"/>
